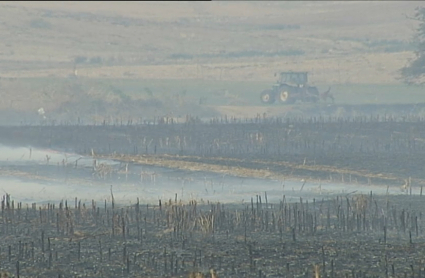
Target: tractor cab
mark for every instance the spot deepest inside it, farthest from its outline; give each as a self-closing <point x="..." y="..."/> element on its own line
<point x="298" y="79"/>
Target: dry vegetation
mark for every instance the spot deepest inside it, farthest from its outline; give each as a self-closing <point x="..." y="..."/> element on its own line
<point x="353" y="38"/>
<point x="338" y="42"/>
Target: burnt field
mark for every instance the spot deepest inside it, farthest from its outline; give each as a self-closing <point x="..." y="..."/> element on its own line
<point x="346" y="236"/>
<point x="374" y="149"/>
<point x="322" y="234"/>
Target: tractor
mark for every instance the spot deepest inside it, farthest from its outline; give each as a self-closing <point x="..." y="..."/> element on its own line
<point x="290" y="87"/>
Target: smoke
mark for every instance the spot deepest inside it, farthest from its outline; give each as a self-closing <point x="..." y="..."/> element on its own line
<point x="28" y="176"/>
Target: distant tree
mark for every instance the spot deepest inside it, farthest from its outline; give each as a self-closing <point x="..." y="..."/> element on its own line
<point x="414" y="73"/>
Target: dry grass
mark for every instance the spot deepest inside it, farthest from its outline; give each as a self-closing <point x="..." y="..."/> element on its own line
<point x="342" y="42"/>
<point x="147" y="33"/>
<point x="236" y="167"/>
<point x="358" y="69"/>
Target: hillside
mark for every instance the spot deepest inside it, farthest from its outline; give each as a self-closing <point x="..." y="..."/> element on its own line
<point x="113" y="44"/>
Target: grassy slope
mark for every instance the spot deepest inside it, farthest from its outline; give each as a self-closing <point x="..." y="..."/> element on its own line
<point x="228" y="51"/>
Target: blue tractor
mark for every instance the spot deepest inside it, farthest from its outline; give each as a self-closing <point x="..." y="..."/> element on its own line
<point x="291" y="87"/>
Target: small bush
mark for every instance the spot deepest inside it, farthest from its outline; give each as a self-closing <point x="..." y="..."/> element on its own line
<point x="40" y="24"/>
<point x="254" y="53"/>
<point x="148" y="92"/>
<point x="80" y="59"/>
<point x="95" y="60"/>
<point x="281" y="27"/>
<point x="180" y="56"/>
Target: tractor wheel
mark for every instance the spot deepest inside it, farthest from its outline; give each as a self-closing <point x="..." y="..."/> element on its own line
<point x="268" y="97"/>
<point x="286" y="95"/>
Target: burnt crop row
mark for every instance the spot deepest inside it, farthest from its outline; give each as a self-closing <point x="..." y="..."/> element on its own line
<point x="378" y="144"/>
<point x="346" y="236"/>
